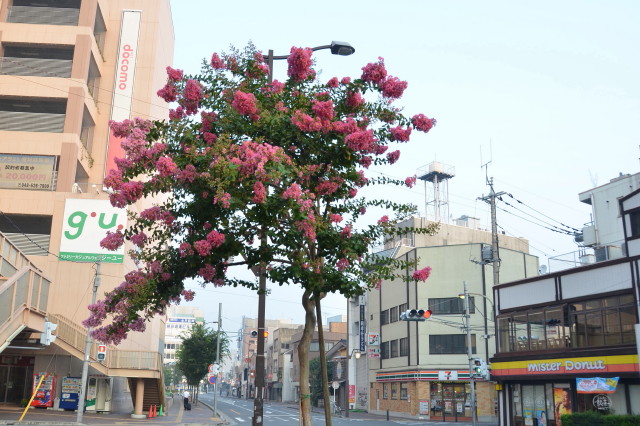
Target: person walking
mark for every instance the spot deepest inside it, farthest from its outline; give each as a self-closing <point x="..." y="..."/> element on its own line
<point x="185" y="398"/>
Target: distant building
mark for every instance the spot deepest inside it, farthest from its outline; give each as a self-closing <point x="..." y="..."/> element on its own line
<point x="420" y="370"/>
<point x="180" y="320"/>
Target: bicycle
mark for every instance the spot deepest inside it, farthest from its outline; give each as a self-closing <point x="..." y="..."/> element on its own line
<point x="336" y="409"/>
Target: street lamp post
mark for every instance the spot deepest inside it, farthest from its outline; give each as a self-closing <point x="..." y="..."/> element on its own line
<point x="337" y="48"/>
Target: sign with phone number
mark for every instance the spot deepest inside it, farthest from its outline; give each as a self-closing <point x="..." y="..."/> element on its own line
<point x="32" y="172"/>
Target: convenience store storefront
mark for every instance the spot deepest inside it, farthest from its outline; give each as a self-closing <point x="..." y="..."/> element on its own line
<point x="438" y="395"/>
<point x="537" y="392"/>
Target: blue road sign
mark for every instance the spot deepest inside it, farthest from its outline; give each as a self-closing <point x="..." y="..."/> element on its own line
<point x="212" y="380"/>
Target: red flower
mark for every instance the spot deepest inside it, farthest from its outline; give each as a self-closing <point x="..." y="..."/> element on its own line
<point x="422" y="123"/>
<point x="374" y="72"/>
<point x="299" y="61"/>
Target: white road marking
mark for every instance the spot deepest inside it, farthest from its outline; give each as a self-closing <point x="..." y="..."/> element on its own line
<point x="240" y="419"/>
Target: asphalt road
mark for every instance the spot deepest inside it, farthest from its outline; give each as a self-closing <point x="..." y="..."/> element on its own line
<point x="240" y="411"/>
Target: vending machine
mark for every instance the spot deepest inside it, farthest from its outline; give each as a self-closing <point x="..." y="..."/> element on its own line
<point x="45" y="393"/>
<point x="99" y="393"/>
<point x="70" y="393"/>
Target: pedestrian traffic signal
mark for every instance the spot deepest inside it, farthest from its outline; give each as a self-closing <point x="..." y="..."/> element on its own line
<point x="102" y="352"/>
<point x="415" y="315"/>
<point x="47" y="337"/>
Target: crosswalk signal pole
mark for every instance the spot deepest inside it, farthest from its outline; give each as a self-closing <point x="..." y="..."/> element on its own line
<point x="87" y="351"/>
<point x="472" y="385"/>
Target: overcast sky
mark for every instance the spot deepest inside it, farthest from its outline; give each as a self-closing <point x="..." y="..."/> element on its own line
<point x="546" y="92"/>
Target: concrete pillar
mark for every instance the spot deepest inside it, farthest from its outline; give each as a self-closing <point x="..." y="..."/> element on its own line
<point x="137" y="410"/>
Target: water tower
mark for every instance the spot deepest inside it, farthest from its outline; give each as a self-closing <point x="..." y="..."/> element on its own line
<point x="438" y="174"/>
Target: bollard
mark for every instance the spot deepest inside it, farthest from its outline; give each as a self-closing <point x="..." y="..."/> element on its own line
<point x="387" y="415"/>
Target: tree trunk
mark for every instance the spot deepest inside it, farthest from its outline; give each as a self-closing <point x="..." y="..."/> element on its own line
<point x="323" y="364"/>
<point x="303" y="358"/>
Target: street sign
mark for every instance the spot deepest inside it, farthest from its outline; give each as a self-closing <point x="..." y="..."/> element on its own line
<point x="214" y="368"/>
<point x="212" y="380"/>
<point x="335" y="385"/>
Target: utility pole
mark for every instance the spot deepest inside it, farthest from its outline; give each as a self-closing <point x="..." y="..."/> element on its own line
<point x="491" y="199"/>
<point x="87" y="351"/>
<point x="215" y="387"/>
<point x="472" y="384"/>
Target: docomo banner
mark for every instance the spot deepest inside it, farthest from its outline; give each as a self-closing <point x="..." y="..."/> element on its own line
<point x="123" y="80"/>
<point x="85" y="224"/>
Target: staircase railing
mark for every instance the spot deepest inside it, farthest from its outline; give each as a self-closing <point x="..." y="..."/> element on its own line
<point x="75" y="335"/>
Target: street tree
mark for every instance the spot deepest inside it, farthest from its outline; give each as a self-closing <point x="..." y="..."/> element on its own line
<point x="251" y="172"/>
<point x="198" y="350"/>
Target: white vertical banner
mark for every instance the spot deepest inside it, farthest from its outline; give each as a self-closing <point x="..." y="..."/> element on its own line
<point x="123" y="80"/>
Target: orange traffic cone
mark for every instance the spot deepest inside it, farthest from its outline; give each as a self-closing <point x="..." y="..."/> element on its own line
<point x="155" y="412"/>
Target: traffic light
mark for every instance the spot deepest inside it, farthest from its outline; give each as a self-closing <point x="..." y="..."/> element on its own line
<point x="246" y="373"/>
<point x="415" y="315"/>
<point x="254" y="333"/>
<point x="47" y="338"/>
<point x="480" y="369"/>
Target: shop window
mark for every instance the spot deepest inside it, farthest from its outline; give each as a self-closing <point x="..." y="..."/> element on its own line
<point x="385" y="391"/>
<point x="404" y="391"/>
<point x="450" y="305"/>
<point x="394" y="390"/>
<point x="450" y="343"/>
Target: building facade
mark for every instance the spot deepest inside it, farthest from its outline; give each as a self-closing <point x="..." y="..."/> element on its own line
<point x="179" y="321"/>
<point x="421" y="369"/>
<point x="67" y="68"/>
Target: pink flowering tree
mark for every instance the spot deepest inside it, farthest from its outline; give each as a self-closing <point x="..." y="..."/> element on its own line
<point x="243" y="160"/>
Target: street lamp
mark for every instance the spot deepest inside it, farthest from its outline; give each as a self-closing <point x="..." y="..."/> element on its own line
<point x="337" y="48"/>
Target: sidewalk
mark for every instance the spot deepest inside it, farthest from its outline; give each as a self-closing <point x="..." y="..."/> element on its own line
<point x="200" y="415"/>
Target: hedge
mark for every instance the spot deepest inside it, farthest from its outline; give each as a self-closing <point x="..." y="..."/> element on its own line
<point x="597" y="419"/>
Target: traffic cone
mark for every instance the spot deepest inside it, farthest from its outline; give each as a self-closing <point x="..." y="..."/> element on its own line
<point x="150" y="414"/>
<point x="155" y="411"/>
<point x="161" y="413"/>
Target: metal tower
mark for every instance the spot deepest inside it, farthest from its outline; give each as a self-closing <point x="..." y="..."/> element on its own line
<point x="438" y="174"/>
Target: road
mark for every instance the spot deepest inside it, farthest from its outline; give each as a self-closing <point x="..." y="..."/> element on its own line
<point x="240" y="411"/>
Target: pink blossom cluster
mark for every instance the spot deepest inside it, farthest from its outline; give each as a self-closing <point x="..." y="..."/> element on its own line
<point x="156" y="213"/>
<point x="410" y="181"/>
<point x="299" y="63"/>
<point x="207" y="272"/>
<point x="333" y="83"/>
<point x="399" y="134"/>
<point x="188" y="174"/>
<point x="113" y="240"/>
<point x="354" y="99"/>
<point x="166" y="166"/>
<point x="203" y="247"/>
<point x="422" y="274"/>
<point x="329" y="186"/>
<point x="423" y="123"/>
<point x="374" y="72"/>
<point x="384" y="219"/>
<point x="252" y="158"/>
<point x="259" y="193"/>
<point x="393" y="87"/>
<point x="342" y="264"/>
<point x="246" y="104"/>
<point x="208" y="119"/>
<point x="361" y="141"/>
<point x="346" y="231"/>
<point x="392" y="157"/>
<point x="215" y="238"/>
<point x="174" y="74"/>
<point x="191" y="96"/>
<point x="323" y="110"/>
<point x="188" y="295"/>
<point x="294" y="191"/>
<point x="139" y="239"/>
<point x="185" y="250"/>
<point x="224" y="199"/>
<point x="217" y="62"/>
<point x="305" y="122"/>
<point x="335" y="218"/>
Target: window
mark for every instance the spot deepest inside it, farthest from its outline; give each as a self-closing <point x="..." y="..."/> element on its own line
<point x="385" y="391"/>
<point x="32" y="114"/>
<point x="384" y="317"/>
<point x="37" y="60"/>
<point x="393" y="314"/>
<point x="402" y="308"/>
<point x="634" y="224"/>
<point x="394" y="390"/>
<point x="450" y="305"/>
<point x="50" y="12"/>
<point x="450" y="343"/>
<point x="404" y="346"/>
<point x="597" y="322"/>
<point x="384" y="350"/>
<point x="394" y="349"/>
<point x="404" y="391"/>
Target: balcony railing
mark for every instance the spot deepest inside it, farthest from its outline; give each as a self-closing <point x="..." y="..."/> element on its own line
<point x="75" y="335"/>
<point x="43" y="15"/>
